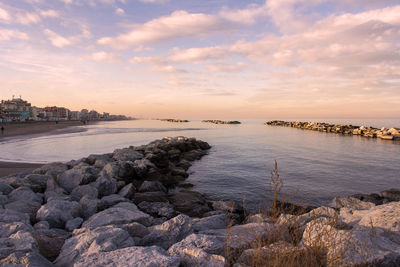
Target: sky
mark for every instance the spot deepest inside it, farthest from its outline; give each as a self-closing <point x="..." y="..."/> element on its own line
<point x="204" y="59"/>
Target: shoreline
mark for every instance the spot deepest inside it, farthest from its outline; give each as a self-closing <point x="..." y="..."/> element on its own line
<point x="35" y="129"/>
<point x="132" y="199"/>
<point x="8" y="168"/>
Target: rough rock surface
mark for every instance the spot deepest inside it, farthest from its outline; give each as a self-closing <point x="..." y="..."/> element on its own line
<point x="169" y="232"/>
<point x="86" y="242"/>
<point x="132" y="256"/>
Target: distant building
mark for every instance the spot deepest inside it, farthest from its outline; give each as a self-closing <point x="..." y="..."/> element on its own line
<point x="57" y="113"/>
<point x="75" y="116"/>
<point x="15" y="110"/>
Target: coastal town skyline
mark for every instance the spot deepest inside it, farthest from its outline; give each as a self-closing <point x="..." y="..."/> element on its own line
<point x="208" y="59"/>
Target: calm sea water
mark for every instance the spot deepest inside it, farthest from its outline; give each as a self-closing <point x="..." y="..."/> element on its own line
<point x="314" y="166"/>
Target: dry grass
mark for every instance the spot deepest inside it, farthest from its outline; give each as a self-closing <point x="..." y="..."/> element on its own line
<point x="291" y="238"/>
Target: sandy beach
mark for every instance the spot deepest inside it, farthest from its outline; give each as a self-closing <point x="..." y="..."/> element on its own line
<point x="26" y="128"/>
<point x="7" y="168"/>
<point x="12" y="130"/>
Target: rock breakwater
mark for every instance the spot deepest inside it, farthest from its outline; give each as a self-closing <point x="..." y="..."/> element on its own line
<point x="127" y="208"/>
<point x="383" y="133"/>
<point x="221" y="122"/>
<point x="174" y="120"/>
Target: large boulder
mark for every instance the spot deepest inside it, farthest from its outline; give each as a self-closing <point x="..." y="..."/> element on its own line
<point x="244" y="236"/>
<point x="200" y="250"/>
<point x="111" y="200"/>
<point x="170" y="232"/>
<point x="126" y="154"/>
<point x="57" y="212"/>
<point x="53" y="169"/>
<point x="120" y="169"/>
<point x="89" y="206"/>
<point x="50" y="241"/>
<point x="121" y="213"/>
<point x="150" y="197"/>
<point x="127" y="191"/>
<point x="24" y="200"/>
<point x="350" y="203"/>
<point x="33" y="259"/>
<point x="132" y="256"/>
<point x="106" y="185"/>
<point x="190" y="203"/>
<point x="219" y="221"/>
<point x="86" y="242"/>
<point x="84" y="190"/>
<point x="5" y="189"/>
<point x="158" y="209"/>
<point x="79" y="175"/>
<point x="152" y="186"/>
<point x="391" y="194"/>
<point x="9" y="216"/>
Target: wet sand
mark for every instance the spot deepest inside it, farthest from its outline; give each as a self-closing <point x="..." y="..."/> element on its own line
<point x="33" y="129"/>
<point x="7" y="168"/>
<point x="26" y="128"/>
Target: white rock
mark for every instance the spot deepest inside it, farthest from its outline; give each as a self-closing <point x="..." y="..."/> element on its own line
<point x="132" y="256"/>
<point x="119" y="214"/>
<point x="200" y="250"/>
<point x="86" y="242"/>
<point x="170" y="232"/>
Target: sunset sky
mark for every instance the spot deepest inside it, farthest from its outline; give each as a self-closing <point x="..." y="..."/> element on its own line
<point x="204" y="59"/>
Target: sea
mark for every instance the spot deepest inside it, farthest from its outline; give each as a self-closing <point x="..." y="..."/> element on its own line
<point x="314" y="167"/>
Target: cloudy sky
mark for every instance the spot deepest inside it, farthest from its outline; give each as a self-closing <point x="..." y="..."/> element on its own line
<point x="205" y="59"/>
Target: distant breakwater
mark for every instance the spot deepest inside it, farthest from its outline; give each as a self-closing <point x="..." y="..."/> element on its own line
<point x="173" y="120"/>
<point x="221" y="122"/>
<point x="383" y="133"/>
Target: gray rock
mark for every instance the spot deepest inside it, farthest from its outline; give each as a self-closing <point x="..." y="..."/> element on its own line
<point x="16" y="241"/>
<point x="84" y="190"/>
<point x="42" y="225"/>
<point x="25" y="206"/>
<point x="132" y="256"/>
<point x="79" y="175"/>
<point x="135" y="229"/>
<point x="73" y="224"/>
<point x="89" y="206"/>
<point x="86" y="242"/>
<point x="50" y="241"/>
<point x="220" y="221"/>
<point x="126" y="154"/>
<point x="228" y="206"/>
<point x="127" y="191"/>
<point x="9" y="216"/>
<point x="158" y="209"/>
<point x="111" y="200"/>
<point x="170" y="232"/>
<point x="350" y="203"/>
<point x="53" y="169"/>
<point x="152" y="186"/>
<point x="189" y="202"/>
<point x="200" y="250"/>
<point x="3" y="200"/>
<point x="37" y="182"/>
<point x="391" y="194"/>
<point x="58" y="212"/>
<point x="119" y="214"/>
<point x="141" y="167"/>
<point x="53" y="186"/>
<point x="151" y="197"/>
<point x="32" y="259"/>
<point x="120" y="169"/>
<point x="243" y="236"/>
<point x="24" y="194"/>
<point x="5" y="188"/>
<point x="106" y="186"/>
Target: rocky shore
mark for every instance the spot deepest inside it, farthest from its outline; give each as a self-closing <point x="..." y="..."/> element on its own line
<point x="221" y="122"/>
<point x="130" y="208"/>
<point x="383" y="133"/>
<point x="174" y="120"/>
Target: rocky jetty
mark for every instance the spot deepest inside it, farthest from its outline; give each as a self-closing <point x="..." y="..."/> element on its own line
<point x="221" y="122"/>
<point x="383" y="133"/>
<point x="127" y="208"/>
<point x="173" y="120"/>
